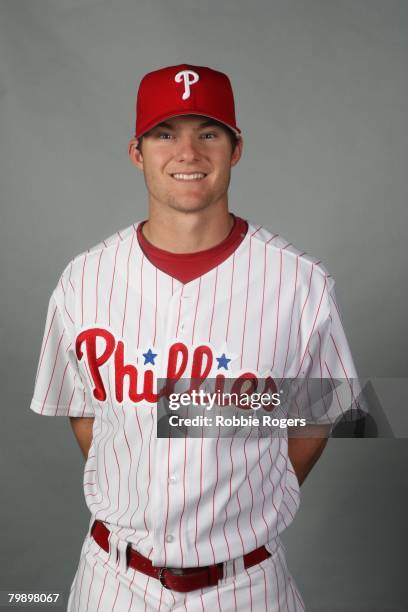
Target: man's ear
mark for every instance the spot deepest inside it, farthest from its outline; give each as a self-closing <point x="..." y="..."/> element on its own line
<point x="237" y="152"/>
<point x="135" y="155"/>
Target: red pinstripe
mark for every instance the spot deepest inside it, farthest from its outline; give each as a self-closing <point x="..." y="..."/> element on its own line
<point x="246" y="301"/>
<point x="238" y="529"/>
<point x="100" y="596"/>
<point x="256" y="231"/>
<point x="148" y="486"/>
<point x="234" y="589"/>
<point x="167" y="499"/>
<point x="130" y="468"/>
<point x="52" y="373"/>
<point x="278" y="513"/>
<point x="250" y="589"/>
<point x="339" y="356"/>
<point x="145" y="591"/>
<point x="137" y="467"/>
<point x="114" y="450"/>
<point x="277" y="310"/>
<point x="263" y="491"/>
<point x="277" y="583"/>
<point x="62" y="384"/>
<point x="335" y="304"/>
<point x="127" y="283"/>
<point x="96" y="286"/>
<point x="230" y="497"/>
<point x="314" y="323"/>
<point x="199" y="499"/>
<point x="80" y="588"/>
<point x="113" y="279"/>
<point x="344" y="369"/>
<point x="213" y="497"/>
<point x="265" y="589"/>
<point x="106" y="478"/>
<point x="92" y="577"/>
<point x="68" y="313"/>
<point x="291" y="316"/>
<point x="213" y="306"/>
<point x="230" y="300"/>
<point x="62" y="286"/>
<point x="305" y="302"/>
<point x="69" y="279"/>
<point x="299" y="600"/>
<point x="196" y="309"/>
<point x="155" y="310"/>
<point x="95" y="438"/>
<point x="72" y="395"/>
<point x="262" y="309"/>
<point x="334" y="388"/>
<point x="131" y="600"/>
<point x="184" y="500"/>
<point x="117" y="593"/>
<point x="141" y="300"/>
<point x="286" y="590"/>
<point x="82" y="290"/>
<point x="160" y="602"/>
<point x="178" y="317"/>
<point x="248" y="477"/>
<point x="46" y="342"/>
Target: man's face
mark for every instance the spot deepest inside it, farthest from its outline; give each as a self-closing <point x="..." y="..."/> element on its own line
<point x="176" y="150"/>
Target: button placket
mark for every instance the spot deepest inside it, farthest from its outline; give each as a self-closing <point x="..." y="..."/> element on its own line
<point x="178" y="312"/>
<point x="160" y="477"/>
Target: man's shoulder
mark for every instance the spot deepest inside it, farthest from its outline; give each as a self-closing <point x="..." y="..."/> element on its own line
<point x="110" y="242"/>
<point x="276" y="244"/>
<point x="98" y="250"/>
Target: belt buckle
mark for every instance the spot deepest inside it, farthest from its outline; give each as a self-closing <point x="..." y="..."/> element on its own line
<point x="162" y="579"/>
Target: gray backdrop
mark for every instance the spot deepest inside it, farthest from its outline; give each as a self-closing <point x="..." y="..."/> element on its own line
<point x="321" y="91"/>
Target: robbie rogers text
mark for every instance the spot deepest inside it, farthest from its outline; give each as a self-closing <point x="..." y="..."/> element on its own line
<point x="234" y="421"/>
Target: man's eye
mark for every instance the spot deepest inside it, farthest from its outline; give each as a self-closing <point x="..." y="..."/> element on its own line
<point x="210" y="135"/>
<point x="163" y="135"/>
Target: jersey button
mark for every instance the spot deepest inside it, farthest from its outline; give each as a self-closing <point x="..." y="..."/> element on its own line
<point x="169" y="538"/>
<point x="173" y="479"/>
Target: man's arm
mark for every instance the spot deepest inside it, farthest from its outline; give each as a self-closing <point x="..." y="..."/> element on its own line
<point x="82" y="427"/>
<point x="304" y="451"/>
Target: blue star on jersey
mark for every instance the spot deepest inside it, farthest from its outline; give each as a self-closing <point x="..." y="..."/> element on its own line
<point x="149" y="357"/>
<point x="223" y="362"/>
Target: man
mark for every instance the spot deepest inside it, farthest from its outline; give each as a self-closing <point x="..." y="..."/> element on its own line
<point x="193" y="292"/>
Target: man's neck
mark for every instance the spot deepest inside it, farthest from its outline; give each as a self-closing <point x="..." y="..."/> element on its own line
<point x="179" y="232"/>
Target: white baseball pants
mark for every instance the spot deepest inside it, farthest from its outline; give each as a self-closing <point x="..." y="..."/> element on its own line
<point x="104" y="584"/>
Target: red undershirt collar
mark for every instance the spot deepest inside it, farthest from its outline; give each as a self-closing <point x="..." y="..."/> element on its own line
<point x="185" y="267"/>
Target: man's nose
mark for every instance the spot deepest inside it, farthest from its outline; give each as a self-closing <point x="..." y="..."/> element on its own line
<point x="188" y="149"/>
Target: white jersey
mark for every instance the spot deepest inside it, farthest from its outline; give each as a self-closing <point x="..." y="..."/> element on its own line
<point x="116" y="324"/>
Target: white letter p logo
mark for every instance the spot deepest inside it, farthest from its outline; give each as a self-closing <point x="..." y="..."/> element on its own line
<point x="189" y="77"/>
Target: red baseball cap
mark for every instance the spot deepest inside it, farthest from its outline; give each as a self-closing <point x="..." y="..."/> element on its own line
<point x="183" y="90"/>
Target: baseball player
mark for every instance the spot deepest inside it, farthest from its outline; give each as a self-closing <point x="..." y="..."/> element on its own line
<point x="194" y="291"/>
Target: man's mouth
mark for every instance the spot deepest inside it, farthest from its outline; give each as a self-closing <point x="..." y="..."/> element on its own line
<point x="192" y="176"/>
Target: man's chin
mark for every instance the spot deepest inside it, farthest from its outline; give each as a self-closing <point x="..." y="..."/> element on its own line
<point x="189" y="206"/>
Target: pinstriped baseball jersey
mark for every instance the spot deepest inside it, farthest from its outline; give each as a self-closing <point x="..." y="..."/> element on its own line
<point x="116" y="324"/>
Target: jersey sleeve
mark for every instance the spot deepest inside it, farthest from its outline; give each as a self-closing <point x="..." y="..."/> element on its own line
<point x="328" y="387"/>
<point x="58" y="388"/>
